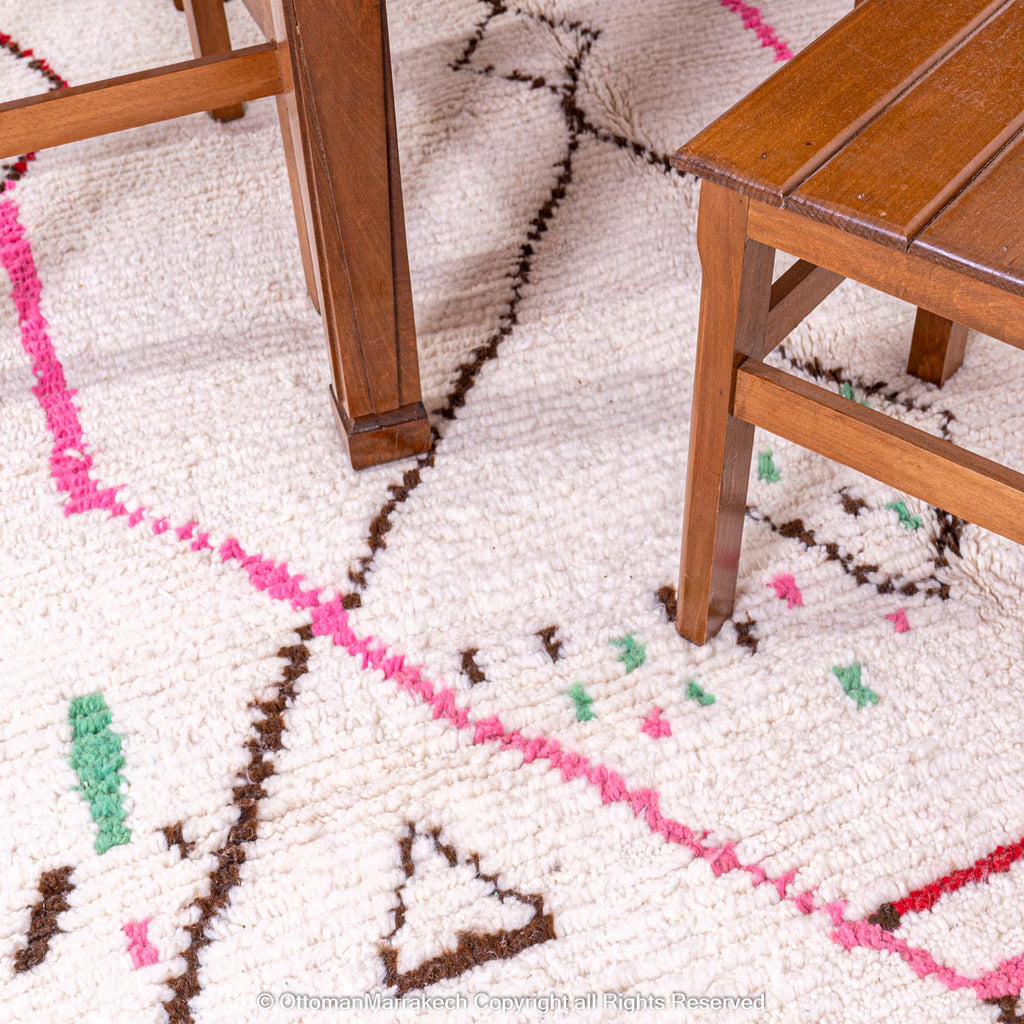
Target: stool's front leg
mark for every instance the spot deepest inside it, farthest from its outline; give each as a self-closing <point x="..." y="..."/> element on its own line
<point x="735" y="293"/>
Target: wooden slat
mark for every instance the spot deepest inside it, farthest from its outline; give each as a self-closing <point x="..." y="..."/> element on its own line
<point x="890" y="180"/>
<point x="907" y="275"/>
<point x="70" y="115"/>
<point x="934" y="470"/>
<point x="772" y="140"/>
<point x="795" y="295"/>
<point x="980" y="232"/>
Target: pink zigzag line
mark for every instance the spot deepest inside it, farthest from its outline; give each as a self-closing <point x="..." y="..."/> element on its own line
<point x="70" y="462"/>
<point x="1003" y="980"/>
<point x="752" y="19"/>
<point x="72" y="473"/>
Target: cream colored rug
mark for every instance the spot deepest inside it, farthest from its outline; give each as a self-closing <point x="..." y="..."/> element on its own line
<point x="281" y="742"/>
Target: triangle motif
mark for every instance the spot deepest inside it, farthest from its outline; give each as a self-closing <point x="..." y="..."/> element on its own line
<point x="426" y="860"/>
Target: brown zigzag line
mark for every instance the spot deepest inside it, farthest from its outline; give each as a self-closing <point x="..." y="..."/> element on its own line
<point x="837" y="375"/>
<point x="472" y="948"/>
<point x="467" y="373"/>
<point x="53" y="887"/>
<point x="231" y="856"/>
<point x="862" y="573"/>
<point x="1007" y="1009"/>
<point x="950" y="527"/>
<point x="478" y="36"/>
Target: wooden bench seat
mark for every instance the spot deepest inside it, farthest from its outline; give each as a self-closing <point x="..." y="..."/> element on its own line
<point x="890" y="151"/>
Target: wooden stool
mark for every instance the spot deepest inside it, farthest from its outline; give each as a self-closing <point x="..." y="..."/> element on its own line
<point x="328" y="62"/>
<point x="889" y="151"/>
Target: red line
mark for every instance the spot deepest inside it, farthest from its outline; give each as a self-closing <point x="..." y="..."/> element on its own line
<point x="1000" y="859"/>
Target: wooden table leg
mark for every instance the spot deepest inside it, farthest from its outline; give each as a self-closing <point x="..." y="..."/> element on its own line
<point x="341" y="106"/>
<point x="208" y="28"/>
<point x="735" y="294"/>
<point x="937" y="349"/>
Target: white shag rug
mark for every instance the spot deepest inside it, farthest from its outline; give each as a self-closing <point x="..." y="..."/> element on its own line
<point x="282" y="742"/>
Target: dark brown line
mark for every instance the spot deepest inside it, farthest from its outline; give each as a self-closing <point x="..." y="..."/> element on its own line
<point x="472" y="948"/>
<point x="53" y="887"/>
<point x="662" y="161"/>
<point x="467" y="373"/>
<point x="862" y="573"/>
<point x="1007" y="1009"/>
<point x="836" y="375"/>
<point x="246" y="797"/>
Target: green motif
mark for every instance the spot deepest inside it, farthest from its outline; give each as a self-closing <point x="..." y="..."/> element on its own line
<point x="907" y="521"/>
<point x="633" y="654"/>
<point x="582" y="700"/>
<point x="849" y="680"/>
<point x="97" y="761"/>
<point x="766" y="468"/>
<point x="697" y="693"/>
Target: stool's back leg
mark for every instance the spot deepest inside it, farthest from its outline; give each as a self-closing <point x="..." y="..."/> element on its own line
<point x="208" y="28"/>
<point x="937" y="349"/>
<point x="735" y="294"/>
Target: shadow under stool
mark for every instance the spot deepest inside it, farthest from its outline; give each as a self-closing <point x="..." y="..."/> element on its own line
<point x="328" y="63"/>
<point x="890" y="151"/>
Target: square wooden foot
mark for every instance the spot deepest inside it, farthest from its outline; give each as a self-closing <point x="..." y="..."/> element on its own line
<point x="372" y="440"/>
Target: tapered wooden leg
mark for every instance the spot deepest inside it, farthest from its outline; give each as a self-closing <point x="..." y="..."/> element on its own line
<point x="208" y="28"/>
<point x="735" y="294"/>
<point x="937" y="349"/>
<point x="342" y="110"/>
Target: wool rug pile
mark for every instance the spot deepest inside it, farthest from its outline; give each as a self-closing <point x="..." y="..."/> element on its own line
<point x="282" y="742"/>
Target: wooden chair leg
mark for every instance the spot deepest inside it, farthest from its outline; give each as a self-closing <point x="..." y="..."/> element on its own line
<point x="937" y="349"/>
<point x="342" y="110"/>
<point x="208" y="28"/>
<point x="735" y="295"/>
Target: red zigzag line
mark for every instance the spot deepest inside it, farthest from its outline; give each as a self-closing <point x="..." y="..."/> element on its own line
<point x="1000" y="859"/>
